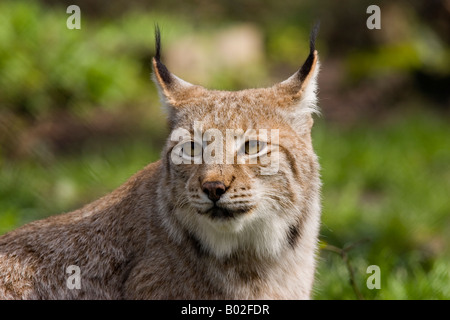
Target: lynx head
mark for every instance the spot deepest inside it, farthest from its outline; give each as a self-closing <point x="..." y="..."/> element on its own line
<point x="241" y="174"/>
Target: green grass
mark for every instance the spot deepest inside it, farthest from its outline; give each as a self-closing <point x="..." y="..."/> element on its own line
<point x="31" y="190"/>
<point x="388" y="184"/>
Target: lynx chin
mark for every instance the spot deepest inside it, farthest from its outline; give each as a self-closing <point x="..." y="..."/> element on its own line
<point x="187" y="230"/>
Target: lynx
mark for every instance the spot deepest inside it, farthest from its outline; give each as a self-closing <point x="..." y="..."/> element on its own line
<point x="193" y="229"/>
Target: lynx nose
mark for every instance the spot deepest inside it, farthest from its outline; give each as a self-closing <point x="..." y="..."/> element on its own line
<point x="214" y="189"/>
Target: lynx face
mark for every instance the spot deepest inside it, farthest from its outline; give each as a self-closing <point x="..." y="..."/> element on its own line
<point x="243" y="174"/>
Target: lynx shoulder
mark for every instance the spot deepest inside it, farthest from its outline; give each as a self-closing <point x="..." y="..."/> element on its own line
<point x="230" y="211"/>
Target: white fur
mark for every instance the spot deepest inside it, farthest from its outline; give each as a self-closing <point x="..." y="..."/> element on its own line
<point x="307" y="105"/>
<point x="263" y="230"/>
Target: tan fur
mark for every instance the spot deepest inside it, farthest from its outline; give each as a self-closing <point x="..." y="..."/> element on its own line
<point x="149" y="239"/>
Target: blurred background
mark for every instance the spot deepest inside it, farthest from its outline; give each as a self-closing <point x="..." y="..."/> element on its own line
<point x="79" y="115"/>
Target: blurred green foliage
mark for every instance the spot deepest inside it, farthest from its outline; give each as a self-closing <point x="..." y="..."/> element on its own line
<point x="388" y="185"/>
<point x="31" y="191"/>
<point x="44" y="66"/>
<point x="386" y="181"/>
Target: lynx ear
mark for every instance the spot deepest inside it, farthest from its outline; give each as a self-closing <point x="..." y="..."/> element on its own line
<point x="300" y="89"/>
<point x="173" y="90"/>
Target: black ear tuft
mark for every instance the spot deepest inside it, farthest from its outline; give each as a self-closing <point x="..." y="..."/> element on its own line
<point x="157" y="42"/>
<point x="313" y="36"/>
<point x="161" y="69"/>
<point x="306" y="68"/>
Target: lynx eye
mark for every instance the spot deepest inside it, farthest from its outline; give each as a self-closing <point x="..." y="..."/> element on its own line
<point x="191" y="149"/>
<point x="253" y="147"/>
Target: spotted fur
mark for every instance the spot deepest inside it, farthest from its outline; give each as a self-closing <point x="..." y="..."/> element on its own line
<point x="158" y="236"/>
